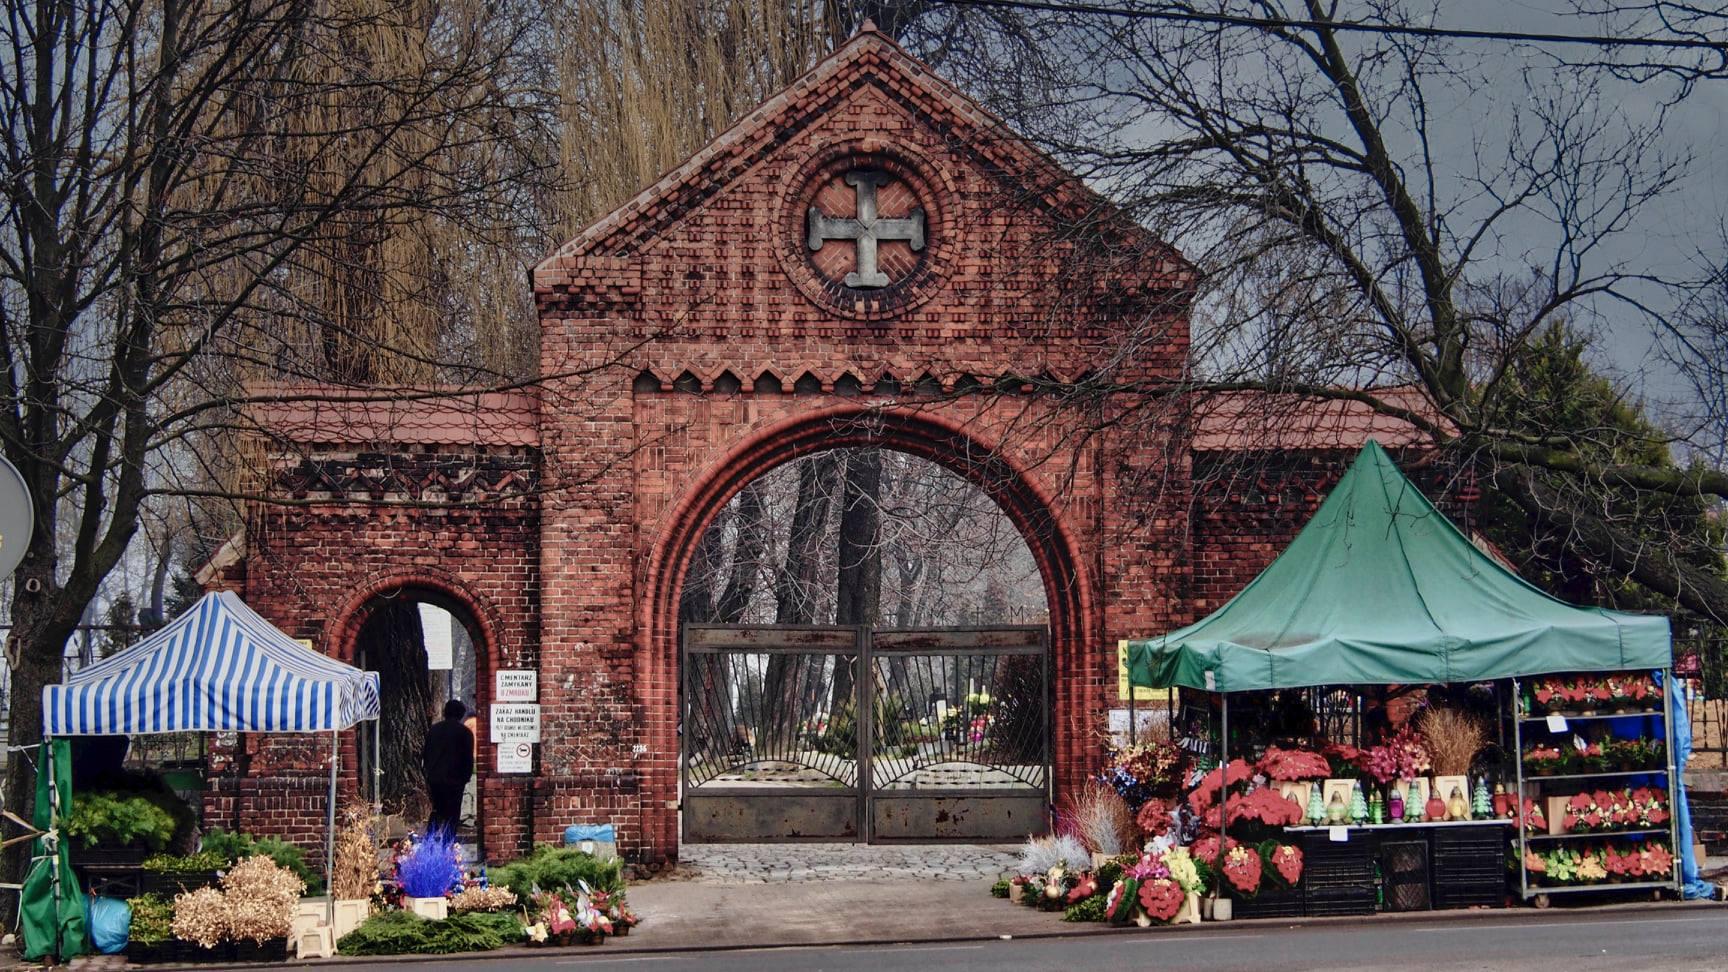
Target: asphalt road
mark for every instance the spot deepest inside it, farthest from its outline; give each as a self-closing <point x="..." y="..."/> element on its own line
<point x="1582" y="942"/>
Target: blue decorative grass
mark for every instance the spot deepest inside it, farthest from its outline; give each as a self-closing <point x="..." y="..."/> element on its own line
<point x="430" y="870"/>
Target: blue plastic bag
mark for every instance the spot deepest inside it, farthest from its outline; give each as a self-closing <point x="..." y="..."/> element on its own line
<point x="109" y="921"/>
<point x="599" y="833"/>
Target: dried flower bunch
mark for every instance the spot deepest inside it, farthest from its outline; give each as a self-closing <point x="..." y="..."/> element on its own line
<point x="354" y="866"/>
<point x="261" y="895"/>
<point x="483" y="899"/>
<point x="1102" y="819"/>
<point x="201" y="916"/>
<point x="1453" y="739"/>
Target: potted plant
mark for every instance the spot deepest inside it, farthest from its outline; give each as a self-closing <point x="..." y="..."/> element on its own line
<point x="427" y="873"/>
<point x="118" y="828"/>
<point x="261" y="896"/>
<point x="354" y="873"/>
<point x="152" y="928"/>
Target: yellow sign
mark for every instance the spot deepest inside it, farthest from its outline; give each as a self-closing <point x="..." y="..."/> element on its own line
<point x="1141" y="692"/>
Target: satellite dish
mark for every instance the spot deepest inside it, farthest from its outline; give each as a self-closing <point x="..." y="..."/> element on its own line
<point x="17" y="518"/>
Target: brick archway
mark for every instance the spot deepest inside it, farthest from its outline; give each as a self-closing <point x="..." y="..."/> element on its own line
<point x="923" y="432"/>
<point x="471" y="610"/>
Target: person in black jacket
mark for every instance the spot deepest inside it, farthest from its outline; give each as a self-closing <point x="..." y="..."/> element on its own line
<point x="448" y="758"/>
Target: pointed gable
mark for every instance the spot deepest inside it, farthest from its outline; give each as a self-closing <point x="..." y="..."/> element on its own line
<point x="871" y="217"/>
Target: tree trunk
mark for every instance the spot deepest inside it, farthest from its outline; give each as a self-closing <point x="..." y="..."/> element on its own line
<point x="394" y="648"/>
<point x="35" y="644"/>
<point x="858" y="588"/>
<point x="696" y="599"/>
<point x="797" y="592"/>
<point x="750" y="542"/>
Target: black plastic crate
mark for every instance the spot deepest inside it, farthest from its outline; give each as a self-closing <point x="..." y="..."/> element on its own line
<point x="1484" y="895"/>
<point x="1321" y="903"/>
<point x="1272" y="903"/>
<point x="1405" y="866"/>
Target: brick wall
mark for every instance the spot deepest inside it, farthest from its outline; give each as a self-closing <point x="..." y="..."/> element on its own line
<point x="316" y="570"/>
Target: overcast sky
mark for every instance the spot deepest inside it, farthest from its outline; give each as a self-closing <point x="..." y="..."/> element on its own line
<point x="1673" y="231"/>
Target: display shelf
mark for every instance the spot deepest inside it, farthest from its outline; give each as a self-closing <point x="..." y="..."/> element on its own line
<point x="1599" y="834"/>
<point x="1580" y="717"/>
<point x="1608" y="774"/>
<point x="1495" y="822"/>
<point x="1528" y="783"/>
<point x="1536" y="889"/>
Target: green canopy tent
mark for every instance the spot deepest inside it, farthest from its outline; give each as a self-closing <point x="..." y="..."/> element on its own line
<point x="1381" y="588"/>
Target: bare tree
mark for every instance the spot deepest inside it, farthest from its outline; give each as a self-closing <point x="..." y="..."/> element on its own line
<point x="197" y="194"/>
<point x="1359" y="243"/>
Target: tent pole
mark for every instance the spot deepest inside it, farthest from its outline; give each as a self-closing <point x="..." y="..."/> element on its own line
<point x="330" y="826"/>
<point x="1223" y="793"/>
<point x="52" y="845"/>
<point x="377" y="769"/>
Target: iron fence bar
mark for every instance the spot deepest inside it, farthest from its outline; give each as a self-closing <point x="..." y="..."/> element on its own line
<point x="864" y="690"/>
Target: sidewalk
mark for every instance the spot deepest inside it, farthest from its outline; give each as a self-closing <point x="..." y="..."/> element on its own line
<point x="684" y="916"/>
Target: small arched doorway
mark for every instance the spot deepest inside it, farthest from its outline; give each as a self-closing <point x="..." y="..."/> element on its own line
<point x="428" y="648"/>
<point x="871" y="726"/>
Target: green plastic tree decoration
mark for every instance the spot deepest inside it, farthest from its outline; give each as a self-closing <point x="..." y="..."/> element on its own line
<point x="1358" y="806"/>
<point x="1316" y="806"/>
<point x="1484" y="804"/>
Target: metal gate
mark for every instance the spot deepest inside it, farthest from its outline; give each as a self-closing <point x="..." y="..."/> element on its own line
<point x="852" y="734"/>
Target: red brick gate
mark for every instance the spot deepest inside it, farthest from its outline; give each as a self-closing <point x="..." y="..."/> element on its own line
<point x="867" y="259"/>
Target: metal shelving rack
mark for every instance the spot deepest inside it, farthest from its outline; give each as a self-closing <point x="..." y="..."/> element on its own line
<point x="1529" y="787"/>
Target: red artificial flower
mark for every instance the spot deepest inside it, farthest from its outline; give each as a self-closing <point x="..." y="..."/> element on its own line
<point x="1162" y="898"/>
<point x="1266" y="806"/>
<point x="1154" y="817"/>
<point x="1657" y="860"/>
<point x="1294" y="764"/>
<point x="1601" y="693"/>
<point x="1087" y="887"/>
<point x="1206" y="848"/>
<point x="1544" y="692"/>
<point x="1242" y="869"/>
<point x="1288" y="861"/>
<point x="1205" y="792"/>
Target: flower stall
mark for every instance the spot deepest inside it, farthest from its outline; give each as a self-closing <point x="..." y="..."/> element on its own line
<point x="218" y="667"/>
<point x="1383" y="590"/>
<point x="1509" y="733"/>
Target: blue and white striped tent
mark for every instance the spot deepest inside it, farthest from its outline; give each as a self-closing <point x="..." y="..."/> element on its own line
<point x="217" y="668"/>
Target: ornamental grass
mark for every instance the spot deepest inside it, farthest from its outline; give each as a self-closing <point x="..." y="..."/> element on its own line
<point x="1453" y="739"/>
<point x="354" y="866"/>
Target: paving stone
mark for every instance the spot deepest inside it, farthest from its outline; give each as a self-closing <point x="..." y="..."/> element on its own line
<point x="764" y="863"/>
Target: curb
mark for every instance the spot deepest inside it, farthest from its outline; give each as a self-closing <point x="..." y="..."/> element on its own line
<point x="1509" y="916"/>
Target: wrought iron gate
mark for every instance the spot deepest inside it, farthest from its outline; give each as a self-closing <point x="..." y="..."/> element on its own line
<point x="853" y="734"/>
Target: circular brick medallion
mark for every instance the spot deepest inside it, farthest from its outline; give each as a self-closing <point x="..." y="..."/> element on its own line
<point x="863" y="234"/>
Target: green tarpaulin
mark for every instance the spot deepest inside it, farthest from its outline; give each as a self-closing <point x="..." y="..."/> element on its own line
<point x="1380" y="588"/>
<point x="52" y="918"/>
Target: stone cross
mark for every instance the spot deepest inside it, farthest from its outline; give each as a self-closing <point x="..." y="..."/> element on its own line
<point x="866" y="228"/>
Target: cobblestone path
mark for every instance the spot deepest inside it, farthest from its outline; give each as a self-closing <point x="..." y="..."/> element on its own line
<point x="764" y="863"/>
